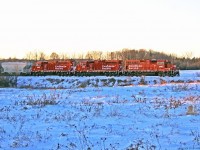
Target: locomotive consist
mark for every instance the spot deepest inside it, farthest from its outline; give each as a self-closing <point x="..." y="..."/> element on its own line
<point x="105" y="68"/>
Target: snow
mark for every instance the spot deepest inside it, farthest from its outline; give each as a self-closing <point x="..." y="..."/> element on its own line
<point x="101" y="113"/>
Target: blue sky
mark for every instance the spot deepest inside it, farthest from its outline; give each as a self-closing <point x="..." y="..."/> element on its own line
<point x="64" y="26"/>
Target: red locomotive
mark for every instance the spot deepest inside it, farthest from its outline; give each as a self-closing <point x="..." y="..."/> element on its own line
<point x="52" y="68"/>
<point x="105" y="68"/>
<point x="150" y="67"/>
<point x="99" y="67"/>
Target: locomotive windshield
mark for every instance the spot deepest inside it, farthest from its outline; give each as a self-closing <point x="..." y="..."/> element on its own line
<point x="38" y="64"/>
<point x="167" y="64"/>
<point x="160" y="63"/>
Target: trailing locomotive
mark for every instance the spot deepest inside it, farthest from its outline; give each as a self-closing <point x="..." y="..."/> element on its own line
<point x="105" y="68"/>
<point x="52" y="68"/>
<point x="150" y="67"/>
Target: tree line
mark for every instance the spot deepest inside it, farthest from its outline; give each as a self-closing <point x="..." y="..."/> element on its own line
<point x="186" y="62"/>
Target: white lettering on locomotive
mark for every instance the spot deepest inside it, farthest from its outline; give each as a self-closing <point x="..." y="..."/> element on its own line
<point x="108" y="67"/>
<point x="60" y="67"/>
<point x="133" y="67"/>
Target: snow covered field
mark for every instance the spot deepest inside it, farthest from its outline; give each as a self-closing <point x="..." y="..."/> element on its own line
<point x="101" y="113"/>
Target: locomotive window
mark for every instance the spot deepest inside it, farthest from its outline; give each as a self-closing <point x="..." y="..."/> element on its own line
<point x="111" y="63"/>
<point x="38" y="64"/>
<point x="167" y="64"/>
<point x="132" y="62"/>
<point x="160" y="63"/>
<point x="83" y="63"/>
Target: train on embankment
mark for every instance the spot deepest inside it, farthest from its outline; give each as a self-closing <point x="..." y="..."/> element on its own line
<point x="73" y="67"/>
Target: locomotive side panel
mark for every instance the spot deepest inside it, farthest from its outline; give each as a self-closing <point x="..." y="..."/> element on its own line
<point x="99" y="67"/>
<point x="63" y="66"/>
<point x="111" y="65"/>
<point x="132" y="65"/>
<point x="52" y="68"/>
<point x="149" y="67"/>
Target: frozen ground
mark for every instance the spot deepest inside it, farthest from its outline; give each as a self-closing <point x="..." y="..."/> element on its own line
<point x="101" y="113"/>
<point x="57" y="82"/>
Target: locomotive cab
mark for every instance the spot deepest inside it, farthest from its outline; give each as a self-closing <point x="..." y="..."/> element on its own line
<point x="39" y="65"/>
<point x="166" y="68"/>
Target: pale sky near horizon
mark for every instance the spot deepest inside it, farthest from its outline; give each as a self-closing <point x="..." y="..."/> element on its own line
<point x="70" y="26"/>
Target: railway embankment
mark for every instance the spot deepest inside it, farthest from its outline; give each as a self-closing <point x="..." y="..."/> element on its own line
<point x="62" y="82"/>
<point x="57" y="82"/>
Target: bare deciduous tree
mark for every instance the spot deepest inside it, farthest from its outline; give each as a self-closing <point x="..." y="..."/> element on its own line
<point x="54" y="56"/>
<point x="64" y="56"/>
<point x="35" y="55"/>
<point x="41" y="56"/>
<point x="94" y="55"/>
<point x="29" y="55"/>
<point x="188" y="54"/>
